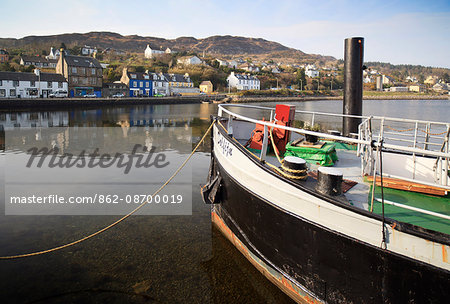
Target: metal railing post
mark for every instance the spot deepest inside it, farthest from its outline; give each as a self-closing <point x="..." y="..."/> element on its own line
<point x="446" y="162"/>
<point x="264" y="144"/>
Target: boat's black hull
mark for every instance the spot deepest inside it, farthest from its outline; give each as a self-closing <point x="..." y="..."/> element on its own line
<point x="334" y="267"/>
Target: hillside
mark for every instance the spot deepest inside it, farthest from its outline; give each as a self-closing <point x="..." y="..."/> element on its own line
<point x="225" y="45"/>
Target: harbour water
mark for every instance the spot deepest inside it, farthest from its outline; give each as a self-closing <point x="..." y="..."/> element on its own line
<point x="146" y="259"/>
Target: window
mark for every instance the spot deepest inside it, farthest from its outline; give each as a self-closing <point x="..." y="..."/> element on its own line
<point x="74" y="80"/>
<point x="93" y="80"/>
<point x="147" y="84"/>
<point x="141" y="84"/>
<point x="16" y="83"/>
<point x="12" y="92"/>
<point x="32" y="83"/>
<point x="2" y="93"/>
<point x="74" y="70"/>
<point x="1" y="83"/>
<point x="82" y="71"/>
<point x="92" y="71"/>
<point x="60" y="85"/>
<point x="49" y="84"/>
<point x="135" y="84"/>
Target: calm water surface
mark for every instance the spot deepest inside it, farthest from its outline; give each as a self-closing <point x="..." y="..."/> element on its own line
<point x="146" y="259"/>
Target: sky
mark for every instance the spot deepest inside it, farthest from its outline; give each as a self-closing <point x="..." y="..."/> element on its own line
<point x="395" y="31"/>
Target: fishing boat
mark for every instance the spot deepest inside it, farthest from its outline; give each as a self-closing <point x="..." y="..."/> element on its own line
<point x="348" y="219"/>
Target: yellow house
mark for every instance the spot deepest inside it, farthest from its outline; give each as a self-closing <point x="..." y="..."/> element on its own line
<point x="206" y="87"/>
<point x="431" y="80"/>
<point x="419" y="88"/>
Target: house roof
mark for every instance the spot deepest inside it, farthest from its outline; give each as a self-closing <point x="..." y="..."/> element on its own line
<point x="178" y="78"/>
<point x="82" y="61"/>
<point x="245" y="77"/>
<point x="206" y="82"/>
<point x="38" y="59"/>
<point x="18" y="76"/>
<point x="139" y="76"/>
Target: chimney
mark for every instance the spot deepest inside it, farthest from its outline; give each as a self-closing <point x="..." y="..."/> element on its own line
<point x="62" y="56"/>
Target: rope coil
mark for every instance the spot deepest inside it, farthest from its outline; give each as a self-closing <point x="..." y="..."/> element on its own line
<point x="119" y="220"/>
<point x="292" y="170"/>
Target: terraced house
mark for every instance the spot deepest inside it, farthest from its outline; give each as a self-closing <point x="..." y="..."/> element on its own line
<point x="30" y="85"/>
<point x="84" y="74"/>
<point x="243" y="82"/>
<point x="38" y="62"/>
<point x="181" y="84"/>
<point x="139" y="84"/>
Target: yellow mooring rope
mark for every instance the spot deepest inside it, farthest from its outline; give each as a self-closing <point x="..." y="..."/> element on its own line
<point x="281" y="161"/>
<point x="119" y="220"/>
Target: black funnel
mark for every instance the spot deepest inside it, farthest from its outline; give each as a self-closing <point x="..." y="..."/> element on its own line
<point x="353" y="83"/>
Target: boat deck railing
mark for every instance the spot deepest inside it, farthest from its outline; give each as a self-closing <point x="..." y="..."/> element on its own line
<point x="417" y="138"/>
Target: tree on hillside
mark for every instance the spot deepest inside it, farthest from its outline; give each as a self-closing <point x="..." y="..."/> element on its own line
<point x="139" y="69"/>
<point x="76" y="50"/>
<point x="301" y="78"/>
<point x="7" y="67"/>
<point x="215" y="64"/>
<point x="62" y="46"/>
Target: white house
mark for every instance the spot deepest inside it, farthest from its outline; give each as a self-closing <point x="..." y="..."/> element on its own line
<point x="31" y="85"/>
<point x="190" y="60"/>
<point x="54" y="54"/>
<point x="150" y="53"/>
<point x="169" y="51"/>
<point x="232" y="64"/>
<point x="88" y="50"/>
<point x="411" y="79"/>
<point x="387" y="79"/>
<point x="311" y="71"/>
<point x="275" y="70"/>
<point x="243" y="82"/>
<point x="368" y="79"/>
<point x="440" y="87"/>
<point x="398" y="89"/>
<point x="249" y="67"/>
<point x="160" y="84"/>
<point x="222" y="62"/>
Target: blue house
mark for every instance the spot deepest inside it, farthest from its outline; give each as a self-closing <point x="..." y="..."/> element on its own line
<point x="139" y="84"/>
